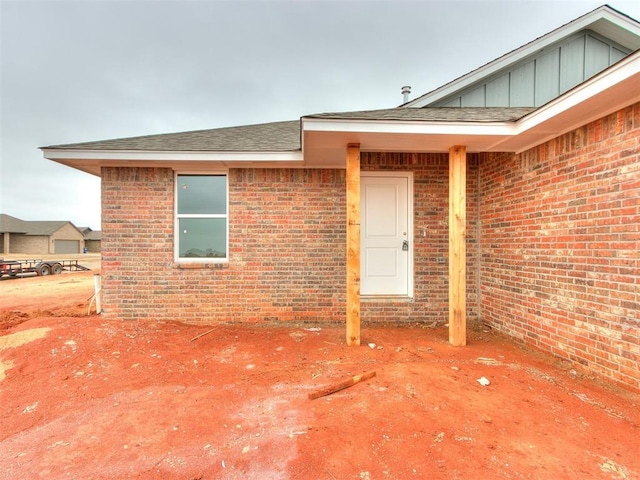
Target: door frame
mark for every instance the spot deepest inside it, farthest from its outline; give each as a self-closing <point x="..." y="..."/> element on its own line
<point x="410" y="233"/>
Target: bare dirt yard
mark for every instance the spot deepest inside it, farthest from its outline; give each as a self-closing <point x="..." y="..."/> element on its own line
<point x="87" y="398"/>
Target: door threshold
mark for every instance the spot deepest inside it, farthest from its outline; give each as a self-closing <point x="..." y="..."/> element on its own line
<point x="386" y="298"/>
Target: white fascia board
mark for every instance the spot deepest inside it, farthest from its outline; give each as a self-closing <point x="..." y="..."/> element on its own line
<point x="521" y="53"/>
<point x="404" y="127"/>
<point x="619" y="72"/>
<point x="167" y="156"/>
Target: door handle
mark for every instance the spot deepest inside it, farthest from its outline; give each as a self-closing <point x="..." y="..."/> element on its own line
<point x="405" y="246"/>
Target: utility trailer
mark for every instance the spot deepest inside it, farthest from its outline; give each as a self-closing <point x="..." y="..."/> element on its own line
<point x="13" y="268"/>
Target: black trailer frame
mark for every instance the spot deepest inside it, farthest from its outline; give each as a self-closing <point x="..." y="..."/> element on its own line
<point x="14" y="268"/>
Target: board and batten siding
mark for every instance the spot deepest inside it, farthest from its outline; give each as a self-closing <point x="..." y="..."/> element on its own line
<point x="543" y="77"/>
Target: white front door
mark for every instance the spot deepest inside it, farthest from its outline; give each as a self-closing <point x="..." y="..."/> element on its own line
<point x="385" y="236"/>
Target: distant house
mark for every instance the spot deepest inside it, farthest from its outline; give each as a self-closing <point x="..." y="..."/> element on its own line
<point x="508" y="196"/>
<point x="92" y="239"/>
<point x="39" y="237"/>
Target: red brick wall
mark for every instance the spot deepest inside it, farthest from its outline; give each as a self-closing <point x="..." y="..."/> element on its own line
<point x="560" y="245"/>
<point x="287" y="249"/>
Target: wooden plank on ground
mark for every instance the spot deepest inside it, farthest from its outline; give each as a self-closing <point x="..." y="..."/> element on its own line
<point x="336" y="387"/>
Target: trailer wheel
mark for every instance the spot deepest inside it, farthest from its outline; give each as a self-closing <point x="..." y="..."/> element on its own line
<point x="43" y="269"/>
<point x="56" y="269"/>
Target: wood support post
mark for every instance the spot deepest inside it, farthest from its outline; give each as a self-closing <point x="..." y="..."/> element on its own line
<point x="457" y="247"/>
<point x="353" y="245"/>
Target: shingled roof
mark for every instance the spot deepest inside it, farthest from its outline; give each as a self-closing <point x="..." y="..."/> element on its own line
<point x="265" y="137"/>
<point x="285" y="136"/>
<point x="443" y="114"/>
<point x="9" y="224"/>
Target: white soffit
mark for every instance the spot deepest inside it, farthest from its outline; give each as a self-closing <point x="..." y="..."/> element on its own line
<point x="91" y="161"/>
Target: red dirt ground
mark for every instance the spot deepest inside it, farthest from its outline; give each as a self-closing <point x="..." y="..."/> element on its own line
<point x="84" y="397"/>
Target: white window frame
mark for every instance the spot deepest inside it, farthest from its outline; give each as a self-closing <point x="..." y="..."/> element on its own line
<point x="177" y="217"/>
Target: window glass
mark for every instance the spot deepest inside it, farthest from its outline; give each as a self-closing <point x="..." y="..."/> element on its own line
<point x="202" y="194"/>
<point x="201" y="216"/>
<point x="203" y="237"/>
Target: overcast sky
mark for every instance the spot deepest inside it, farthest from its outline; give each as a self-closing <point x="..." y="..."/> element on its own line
<point x="83" y="70"/>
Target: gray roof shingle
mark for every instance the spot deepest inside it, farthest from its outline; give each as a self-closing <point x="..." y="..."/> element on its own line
<point x="285" y="136"/>
<point x="442" y="114"/>
<point x="266" y="137"/>
<point x="9" y="224"/>
<point x="44" y="227"/>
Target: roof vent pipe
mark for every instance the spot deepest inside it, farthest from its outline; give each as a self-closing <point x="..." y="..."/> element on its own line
<point x="406" y="90"/>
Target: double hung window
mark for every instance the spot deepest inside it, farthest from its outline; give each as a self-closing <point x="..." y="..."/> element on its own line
<point x="201" y="218"/>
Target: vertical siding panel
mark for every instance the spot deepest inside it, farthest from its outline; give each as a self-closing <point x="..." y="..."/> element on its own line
<point x="522" y="85"/>
<point x="498" y="92"/>
<point x="596" y="56"/>
<point x="572" y="64"/>
<point x="474" y="98"/>
<point x="547" y="82"/>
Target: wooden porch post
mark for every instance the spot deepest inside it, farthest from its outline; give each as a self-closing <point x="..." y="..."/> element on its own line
<point x="353" y="244"/>
<point x="457" y="248"/>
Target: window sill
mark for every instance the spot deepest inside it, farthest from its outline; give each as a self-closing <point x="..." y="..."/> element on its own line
<point x="200" y="266"/>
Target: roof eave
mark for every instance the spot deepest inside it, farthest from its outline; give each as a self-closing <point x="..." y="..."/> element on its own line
<point x="91" y="161"/>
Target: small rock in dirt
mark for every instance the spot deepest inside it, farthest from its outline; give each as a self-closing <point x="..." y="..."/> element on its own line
<point x="484" y="381"/>
<point x="438" y="437"/>
<point x="59" y="443"/>
<point x="30" y="408"/>
<point x="246" y="449"/>
<point x="372" y="346"/>
<point x="487" y="361"/>
<point x="456" y="369"/>
<point x="298" y="336"/>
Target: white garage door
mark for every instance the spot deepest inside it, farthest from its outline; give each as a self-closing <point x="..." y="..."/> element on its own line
<point x="67" y="246"/>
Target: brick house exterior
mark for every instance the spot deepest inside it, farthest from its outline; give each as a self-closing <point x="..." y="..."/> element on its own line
<point x="560" y="243"/>
<point x="39" y="237"/>
<point x="551" y="229"/>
